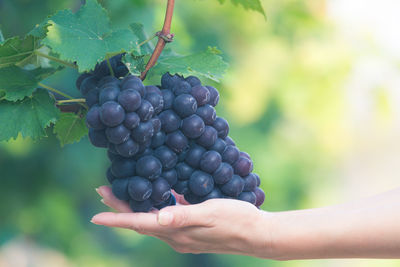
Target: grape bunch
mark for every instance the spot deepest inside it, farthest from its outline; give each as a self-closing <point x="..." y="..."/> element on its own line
<point x="164" y="137"/>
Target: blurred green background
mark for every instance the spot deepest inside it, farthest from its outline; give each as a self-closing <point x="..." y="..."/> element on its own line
<point x="312" y="94"/>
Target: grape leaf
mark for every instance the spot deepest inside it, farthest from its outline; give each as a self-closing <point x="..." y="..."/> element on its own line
<point x="248" y="4"/>
<point x="70" y="128"/>
<point x="29" y="116"/>
<point x="86" y="36"/>
<point x="40" y="30"/>
<point x="135" y="64"/>
<point x="1" y="37"/>
<point x="146" y="48"/>
<point x="208" y="64"/>
<point x="15" y="50"/>
<point x="17" y="83"/>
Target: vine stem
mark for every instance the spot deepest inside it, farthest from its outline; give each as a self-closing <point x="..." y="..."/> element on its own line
<point x="161" y="41"/>
<point x="60" y="93"/>
<point x="56" y="59"/>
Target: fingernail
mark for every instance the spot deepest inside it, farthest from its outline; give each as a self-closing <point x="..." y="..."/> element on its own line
<point x="165" y="218"/>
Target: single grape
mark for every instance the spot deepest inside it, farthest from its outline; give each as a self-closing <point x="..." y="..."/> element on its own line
<point x="192" y="198"/>
<point x="207" y="113"/>
<point x="181" y="187"/>
<point x="123" y="167"/>
<point x="170" y="121"/>
<point x="98" y="138"/>
<point x="210" y="161"/>
<point x="176" y="141"/>
<point x="244" y="154"/>
<point x="229" y="141"/>
<point x="248" y="197"/>
<point x="112" y="114"/>
<point x="201" y="94"/>
<point x="194" y="155"/>
<point x="234" y="187"/>
<point x="117" y="135"/>
<point x="257" y="179"/>
<point x="121" y="70"/>
<point x="88" y="84"/>
<point x="143" y="132"/>
<point x="128" y="148"/>
<point x="181" y="87"/>
<point x="120" y="189"/>
<point x="230" y="155"/>
<point x="185" y="105"/>
<point x="145" y="111"/>
<point x="214" y="96"/>
<point x="168" y="97"/>
<point x="260" y="196"/>
<point x="109" y="94"/>
<point x="219" y="146"/>
<point x="132" y="120"/>
<point x="152" y="89"/>
<point x="168" y="81"/>
<point x="161" y="190"/>
<point x="93" y="118"/>
<point x="141" y="206"/>
<point x="110" y="176"/>
<point x="81" y="78"/>
<point x="156" y="124"/>
<point x="223" y="174"/>
<point x="133" y="82"/>
<point x="158" y="139"/>
<point x="222" y="127"/>
<point x="215" y="193"/>
<point x="149" y="167"/>
<point x="193" y="126"/>
<point x="171" y="176"/>
<point x="92" y="97"/>
<point x="130" y="100"/>
<point x="184" y="171"/>
<point x="108" y="80"/>
<point x="201" y="183"/>
<point x="156" y="100"/>
<point x="193" y="81"/>
<point x="243" y="166"/>
<point x="250" y="182"/>
<point x="208" y="138"/>
<point x="167" y="157"/>
<point x="139" y="188"/>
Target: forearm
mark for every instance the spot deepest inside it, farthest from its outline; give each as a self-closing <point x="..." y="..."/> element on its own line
<point x="369" y="228"/>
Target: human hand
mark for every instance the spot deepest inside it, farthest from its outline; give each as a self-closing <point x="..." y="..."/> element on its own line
<point x="215" y="226"/>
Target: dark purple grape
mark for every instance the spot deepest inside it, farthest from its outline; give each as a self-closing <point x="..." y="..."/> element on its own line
<point x="181" y="87"/>
<point x="194" y="155"/>
<point x="144" y="149"/>
<point x="161" y="190"/>
<point x="152" y="89"/>
<point x="170" y="121"/>
<point x="156" y="124"/>
<point x="250" y="183"/>
<point x="123" y="167"/>
<point x="93" y="118"/>
<point x="120" y="189"/>
<point x="168" y="97"/>
<point x="117" y="135"/>
<point x="132" y="120"/>
<point x="110" y="176"/>
<point x="229" y="141"/>
<point x="208" y="138"/>
<point x="133" y="82"/>
<point x="128" y="148"/>
<point x="201" y="183"/>
<point x="81" y="78"/>
<point x="184" y="105"/>
<point x="192" y="126"/>
<point x="184" y="171"/>
<point x="210" y="161"/>
<point x="214" y="96"/>
<point x="158" y="139"/>
<point x="149" y="167"/>
<point x="192" y="198"/>
<point x="243" y="166"/>
<point x="111" y="154"/>
<point x="156" y="100"/>
<point x="98" y="138"/>
<point x="145" y="111"/>
<point x="88" y="84"/>
<point x="92" y="97"/>
<point x="260" y="196"/>
<point x="177" y="141"/>
<point x="248" y="197"/>
<point x="171" y="201"/>
<point x="167" y="157"/>
<point x="234" y="187"/>
<point x="215" y="193"/>
<point x="201" y="94"/>
<point x="244" y="154"/>
<point x="141" y="206"/>
<point x="143" y="132"/>
<point x="139" y="188"/>
<point x="121" y="70"/>
<point x="168" y="81"/>
<point x="257" y="179"/>
<point x="102" y="69"/>
<point x="223" y="174"/>
<point x="219" y="146"/>
<point x="109" y="94"/>
<point x="222" y="127"/>
<point x="130" y="100"/>
<point x="108" y="80"/>
<point x="181" y="187"/>
<point x="207" y="113"/>
<point x="230" y="155"/>
<point x="193" y="81"/>
<point x="112" y="114"/>
<point x="171" y="176"/>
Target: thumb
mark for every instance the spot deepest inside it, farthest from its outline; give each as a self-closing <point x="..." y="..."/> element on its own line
<point x="181" y="216"/>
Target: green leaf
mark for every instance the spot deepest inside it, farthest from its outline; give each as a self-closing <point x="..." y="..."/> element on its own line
<point x="29" y="116"/>
<point x="208" y="64"/>
<point x="146" y="48"/>
<point x="1" y="37"/>
<point x="135" y="64"/>
<point x="86" y="36"/>
<point x="40" y="30"/>
<point x="248" y="4"/>
<point x="17" y="83"/>
<point x="70" y="128"/>
<point x="15" y="50"/>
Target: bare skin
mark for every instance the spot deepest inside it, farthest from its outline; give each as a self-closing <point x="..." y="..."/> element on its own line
<point x="368" y="228"/>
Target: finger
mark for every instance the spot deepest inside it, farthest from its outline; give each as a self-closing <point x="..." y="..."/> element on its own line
<point x="110" y="200"/>
<point x="180" y="198"/>
<point x="139" y="222"/>
<point x="183" y="216"/>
